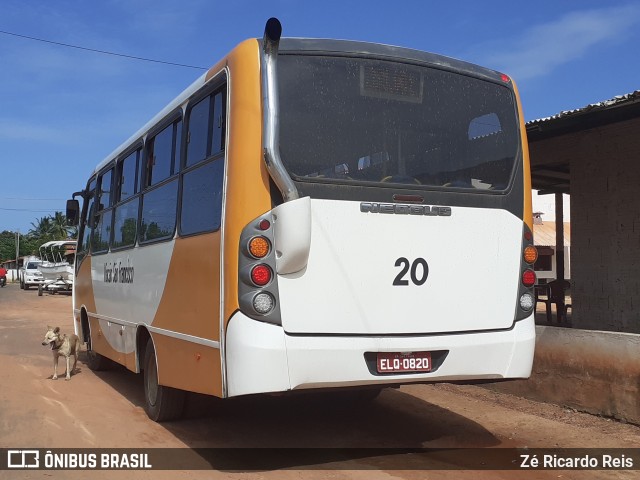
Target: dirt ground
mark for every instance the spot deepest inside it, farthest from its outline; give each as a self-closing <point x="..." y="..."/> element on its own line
<point x="104" y="410"/>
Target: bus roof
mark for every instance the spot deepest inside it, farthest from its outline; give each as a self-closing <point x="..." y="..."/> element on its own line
<point x="320" y="46"/>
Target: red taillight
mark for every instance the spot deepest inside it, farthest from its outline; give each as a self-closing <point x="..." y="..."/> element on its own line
<point x="505" y="78"/>
<point x="261" y="275"/>
<point x="528" y="278"/>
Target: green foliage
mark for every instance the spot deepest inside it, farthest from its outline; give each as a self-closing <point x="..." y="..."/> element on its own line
<point x="45" y="229"/>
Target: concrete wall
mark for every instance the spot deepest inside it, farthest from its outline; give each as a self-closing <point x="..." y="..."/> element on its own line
<point x="605" y="223"/>
<point x="592" y="371"/>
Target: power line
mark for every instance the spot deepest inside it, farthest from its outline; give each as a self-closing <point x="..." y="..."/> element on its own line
<point x="28" y="210"/>
<point x="36" y="199"/>
<point x="104" y="52"/>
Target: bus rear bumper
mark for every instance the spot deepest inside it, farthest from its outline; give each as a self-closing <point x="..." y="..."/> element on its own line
<point x="262" y="358"/>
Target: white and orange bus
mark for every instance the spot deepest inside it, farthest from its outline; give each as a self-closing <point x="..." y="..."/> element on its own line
<point x="313" y="214"/>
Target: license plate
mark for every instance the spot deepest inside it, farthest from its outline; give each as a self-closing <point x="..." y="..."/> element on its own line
<point x="393" y="362"/>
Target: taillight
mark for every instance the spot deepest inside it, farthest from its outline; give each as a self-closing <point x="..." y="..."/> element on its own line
<point x="257" y="280"/>
<point x="259" y="247"/>
<point x="528" y="278"/>
<point x="263" y="303"/>
<point x="530" y="254"/>
<point x="261" y="275"/>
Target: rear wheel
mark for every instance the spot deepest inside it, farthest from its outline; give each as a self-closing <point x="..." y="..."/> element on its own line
<point x="95" y="361"/>
<point x="161" y="403"/>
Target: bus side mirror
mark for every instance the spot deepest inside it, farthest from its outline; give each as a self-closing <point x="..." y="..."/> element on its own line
<point x="73" y="212"/>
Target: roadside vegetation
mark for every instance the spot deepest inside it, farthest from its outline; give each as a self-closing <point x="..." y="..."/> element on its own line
<point x="44" y="229"/>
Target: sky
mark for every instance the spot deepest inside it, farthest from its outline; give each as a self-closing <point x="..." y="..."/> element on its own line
<point x="63" y="110"/>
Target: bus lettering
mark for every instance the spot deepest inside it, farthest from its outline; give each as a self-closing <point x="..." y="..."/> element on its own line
<point x="117" y="273"/>
<point x="404" y="209"/>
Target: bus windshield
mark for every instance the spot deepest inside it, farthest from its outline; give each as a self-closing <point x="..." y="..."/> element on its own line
<point x="368" y="121"/>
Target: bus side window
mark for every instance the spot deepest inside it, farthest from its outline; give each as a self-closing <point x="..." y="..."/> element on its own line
<point x="217" y="144"/>
<point x="125" y="225"/>
<point x="125" y="211"/>
<point x="202" y="198"/>
<point x="197" y="138"/>
<point x="159" y="203"/>
<point x="127" y="181"/>
<point x="161" y="154"/>
<point x="105" y="189"/>
<point x="206" y="128"/>
<point x="159" y="212"/>
<point x="86" y="223"/>
<point x="102" y="213"/>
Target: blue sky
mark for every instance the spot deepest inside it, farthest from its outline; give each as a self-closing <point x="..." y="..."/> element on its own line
<point x="62" y="110"/>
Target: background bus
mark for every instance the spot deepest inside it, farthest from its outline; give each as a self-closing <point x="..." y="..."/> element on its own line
<point x="313" y="214"/>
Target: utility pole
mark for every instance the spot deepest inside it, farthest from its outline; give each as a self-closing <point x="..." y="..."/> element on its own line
<point x="17" y="253"/>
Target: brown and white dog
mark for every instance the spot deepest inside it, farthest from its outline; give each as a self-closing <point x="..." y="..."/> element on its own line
<point x="62" y="344"/>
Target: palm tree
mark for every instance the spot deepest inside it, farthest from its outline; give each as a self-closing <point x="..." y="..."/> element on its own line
<point x="52" y="227"/>
<point x="41" y="229"/>
<point x="60" y="228"/>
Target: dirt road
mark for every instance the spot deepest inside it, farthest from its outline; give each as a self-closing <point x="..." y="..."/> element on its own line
<point x="104" y="410"/>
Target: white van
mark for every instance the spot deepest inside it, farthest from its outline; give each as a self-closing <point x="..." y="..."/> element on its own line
<point x="29" y="273"/>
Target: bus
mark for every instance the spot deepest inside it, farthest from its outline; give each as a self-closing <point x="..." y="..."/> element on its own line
<point x="313" y="214"/>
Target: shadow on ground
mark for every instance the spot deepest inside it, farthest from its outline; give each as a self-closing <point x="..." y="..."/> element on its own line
<point x="312" y="429"/>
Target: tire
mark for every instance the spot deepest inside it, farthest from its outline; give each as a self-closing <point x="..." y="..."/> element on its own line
<point x="21" y="285"/>
<point x="161" y="403"/>
<point x="95" y="361"/>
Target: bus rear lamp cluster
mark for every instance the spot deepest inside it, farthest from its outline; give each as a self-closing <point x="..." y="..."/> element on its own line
<point x="258" y="283"/>
<point x="526" y="299"/>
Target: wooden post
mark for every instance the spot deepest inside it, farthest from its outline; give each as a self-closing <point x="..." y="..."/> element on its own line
<point x="560" y="306"/>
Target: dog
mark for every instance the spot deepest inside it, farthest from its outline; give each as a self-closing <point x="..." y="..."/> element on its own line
<point x="62" y="344"/>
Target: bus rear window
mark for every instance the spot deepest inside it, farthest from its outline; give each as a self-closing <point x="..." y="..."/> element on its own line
<point x="355" y="120"/>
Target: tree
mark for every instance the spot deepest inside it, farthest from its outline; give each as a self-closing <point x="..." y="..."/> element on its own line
<point x="28" y="246"/>
<point x="7" y="245"/>
<point x="52" y="227"/>
<point x="45" y="229"/>
<point x="60" y="228"/>
<point x="42" y="229"/>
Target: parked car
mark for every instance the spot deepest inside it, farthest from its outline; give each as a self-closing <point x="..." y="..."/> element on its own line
<point x="29" y="274"/>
